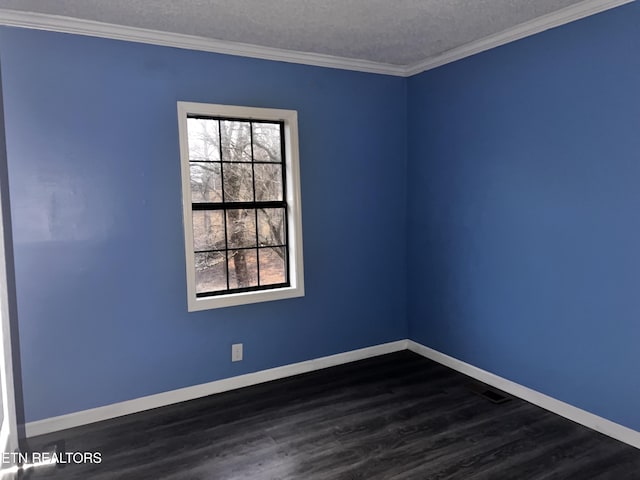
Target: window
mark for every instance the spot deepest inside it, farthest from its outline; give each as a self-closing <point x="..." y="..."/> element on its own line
<point x="241" y="204"/>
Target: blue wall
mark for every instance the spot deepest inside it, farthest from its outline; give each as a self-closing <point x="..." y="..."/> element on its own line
<point x="492" y="203"/>
<point x="523" y="212"/>
<point x="94" y="175"/>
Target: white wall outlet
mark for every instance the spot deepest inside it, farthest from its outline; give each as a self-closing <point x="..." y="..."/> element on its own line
<point x="236" y="352"/>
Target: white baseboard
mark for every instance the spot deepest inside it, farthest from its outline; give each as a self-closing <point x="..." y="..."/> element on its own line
<point x="594" y="422"/>
<point x="84" y="417"/>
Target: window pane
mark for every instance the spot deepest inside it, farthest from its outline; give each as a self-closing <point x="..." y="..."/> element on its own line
<point x="208" y="230"/>
<point x="238" y="182"/>
<point x="271" y="226"/>
<point x="206" y="182"/>
<point x="204" y="139"/>
<point x="272" y="266"/>
<point x="268" y="182"/>
<point x="211" y="272"/>
<point x="243" y="268"/>
<point x="266" y="142"/>
<point x="236" y="141"/>
<point x="241" y="228"/>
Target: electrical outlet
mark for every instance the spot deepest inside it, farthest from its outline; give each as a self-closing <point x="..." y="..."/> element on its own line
<point x="236" y="352"/>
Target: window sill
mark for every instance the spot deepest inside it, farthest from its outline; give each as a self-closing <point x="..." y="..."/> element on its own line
<point x="206" y="303"/>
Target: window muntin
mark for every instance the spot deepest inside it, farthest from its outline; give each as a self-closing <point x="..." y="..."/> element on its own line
<point x="241" y="204"/>
<point x="239" y="212"/>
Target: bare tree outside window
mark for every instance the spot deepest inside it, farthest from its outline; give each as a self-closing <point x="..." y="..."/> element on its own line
<point x="238" y="204"/>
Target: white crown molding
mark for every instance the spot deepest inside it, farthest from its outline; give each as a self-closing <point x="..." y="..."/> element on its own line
<point x="77" y="26"/>
<point x="588" y="419"/>
<point x="540" y="24"/>
<point x="56" y="23"/>
<point x="85" y="417"/>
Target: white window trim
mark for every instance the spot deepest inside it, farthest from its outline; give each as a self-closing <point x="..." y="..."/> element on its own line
<point x="294" y="215"/>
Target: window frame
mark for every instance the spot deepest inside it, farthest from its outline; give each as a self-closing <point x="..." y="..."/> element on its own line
<point x="293" y="204"/>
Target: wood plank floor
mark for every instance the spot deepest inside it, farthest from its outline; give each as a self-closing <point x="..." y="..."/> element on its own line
<point x="397" y="416"/>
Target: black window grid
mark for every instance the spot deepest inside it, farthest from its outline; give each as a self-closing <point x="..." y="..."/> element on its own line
<point x="255" y="205"/>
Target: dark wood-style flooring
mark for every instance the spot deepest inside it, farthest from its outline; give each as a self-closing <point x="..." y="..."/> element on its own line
<point x="397" y="416"/>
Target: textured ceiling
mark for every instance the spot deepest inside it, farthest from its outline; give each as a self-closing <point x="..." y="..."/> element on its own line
<point x="399" y="32"/>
